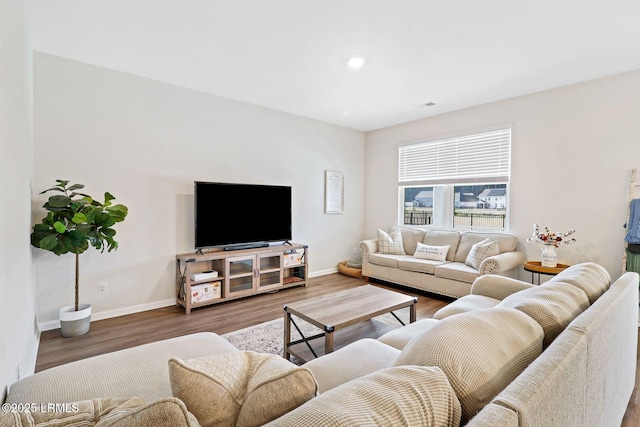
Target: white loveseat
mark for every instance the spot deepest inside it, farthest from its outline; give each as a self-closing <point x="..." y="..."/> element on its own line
<point x="450" y="277"/>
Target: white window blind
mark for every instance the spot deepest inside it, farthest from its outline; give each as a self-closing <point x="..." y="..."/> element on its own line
<point x="483" y="157"/>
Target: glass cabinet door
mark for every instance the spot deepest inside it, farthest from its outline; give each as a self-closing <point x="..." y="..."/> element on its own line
<point x="242" y="274"/>
<point x="270" y="274"/>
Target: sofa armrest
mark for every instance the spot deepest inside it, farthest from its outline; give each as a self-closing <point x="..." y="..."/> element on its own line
<point x="498" y="287"/>
<point x="369" y="247"/>
<point x="502" y="262"/>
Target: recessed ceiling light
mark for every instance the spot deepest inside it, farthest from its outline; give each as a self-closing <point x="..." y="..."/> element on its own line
<point x="355" y="62"/>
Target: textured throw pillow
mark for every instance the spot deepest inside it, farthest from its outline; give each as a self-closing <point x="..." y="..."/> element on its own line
<point x="240" y="388"/>
<point x="481" y="251"/>
<point x="164" y="412"/>
<point x="435" y="253"/>
<point x="397" y="396"/>
<point x="390" y="243"/>
<point x="81" y="413"/>
<point x="107" y="412"/>
<point x="553" y="306"/>
<point x="480" y="351"/>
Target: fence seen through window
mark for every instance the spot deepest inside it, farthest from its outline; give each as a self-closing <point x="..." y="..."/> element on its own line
<point x="474" y="206"/>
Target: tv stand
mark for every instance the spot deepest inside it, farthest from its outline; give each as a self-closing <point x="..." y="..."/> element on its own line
<point x="223" y="275"/>
<point x="246" y="246"/>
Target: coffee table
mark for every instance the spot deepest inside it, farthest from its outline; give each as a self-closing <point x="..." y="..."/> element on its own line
<point x="339" y="310"/>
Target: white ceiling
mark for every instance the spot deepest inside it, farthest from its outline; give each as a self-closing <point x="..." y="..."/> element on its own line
<point x="290" y="55"/>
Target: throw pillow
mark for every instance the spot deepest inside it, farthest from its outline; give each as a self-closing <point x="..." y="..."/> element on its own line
<point x="397" y="396"/>
<point x="106" y="412"/>
<point x="164" y="412"/>
<point x="481" y="251"/>
<point x="390" y="243"/>
<point x="435" y="253"/>
<point x="85" y="412"/>
<point x="480" y="352"/>
<point x="240" y="388"/>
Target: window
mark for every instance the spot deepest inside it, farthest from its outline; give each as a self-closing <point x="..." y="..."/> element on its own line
<point x="456" y="182"/>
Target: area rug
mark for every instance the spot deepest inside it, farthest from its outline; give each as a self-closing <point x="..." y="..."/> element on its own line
<point x="268" y="337"/>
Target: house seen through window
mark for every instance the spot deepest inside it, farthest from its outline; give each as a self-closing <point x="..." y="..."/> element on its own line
<point x="459" y="183"/>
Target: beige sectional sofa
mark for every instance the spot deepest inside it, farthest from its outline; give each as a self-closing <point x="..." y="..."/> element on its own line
<point x="509" y="354"/>
<point x="451" y="276"/>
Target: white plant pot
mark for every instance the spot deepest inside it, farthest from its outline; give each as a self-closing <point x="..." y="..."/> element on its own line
<point x="74" y="323"/>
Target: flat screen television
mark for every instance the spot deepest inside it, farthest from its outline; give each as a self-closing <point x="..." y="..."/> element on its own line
<point x="239" y="215"/>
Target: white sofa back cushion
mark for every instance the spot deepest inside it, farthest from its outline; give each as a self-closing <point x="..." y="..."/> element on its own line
<point x="553" y="306"/>
<point x="592" y="278"/>
<point x="443" y="238"/>
<point x="410" y="237"/>
<point x="396" y="396"/>
<point x="479" y="355"/>
<point x="506" y="243"/>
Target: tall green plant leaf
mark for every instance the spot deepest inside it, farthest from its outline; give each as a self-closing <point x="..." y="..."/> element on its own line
<point x="75" y="221"/>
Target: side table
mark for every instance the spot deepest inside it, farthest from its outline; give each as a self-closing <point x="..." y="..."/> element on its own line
<point x="535" y="267"/>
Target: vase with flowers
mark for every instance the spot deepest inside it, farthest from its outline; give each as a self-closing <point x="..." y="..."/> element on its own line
<point x="550" y="242"/>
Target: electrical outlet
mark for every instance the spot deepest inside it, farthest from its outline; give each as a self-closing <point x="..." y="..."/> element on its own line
<point x="103" y="288"/>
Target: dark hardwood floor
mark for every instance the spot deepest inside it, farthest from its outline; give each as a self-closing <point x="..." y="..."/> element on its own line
<point x="154" y="325"/>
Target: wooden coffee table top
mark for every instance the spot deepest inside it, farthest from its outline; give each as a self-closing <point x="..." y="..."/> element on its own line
<point x="341" y="309"/>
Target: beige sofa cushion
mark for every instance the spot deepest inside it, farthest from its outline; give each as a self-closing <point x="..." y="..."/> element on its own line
<point x="506" y="243"/>
<point x="410" y="237"/>
<point x="553" y="306"/>
<point x="479" y="355"/>
<point x="386" y="260"/>
<point x="419" y="265"/>
<point x="354" y="360"/>
<point x="106" y="412"/>
<point x="397" y="396"/>
<point x="242" y="388"/>
<point x="400" y="337"/>
<point x="592" y="278"/>
<point x="443" y="238"/>
<point x="465" y="304"/>
<point x="456" y="271"/>
<point x="140" y="371"/>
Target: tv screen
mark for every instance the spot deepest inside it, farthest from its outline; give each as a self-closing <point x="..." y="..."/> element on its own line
<point x="232" y="214"/>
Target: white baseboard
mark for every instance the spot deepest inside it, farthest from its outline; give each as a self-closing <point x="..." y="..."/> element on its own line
<point x="55" y="324"/>
<point x="323" y="272"/>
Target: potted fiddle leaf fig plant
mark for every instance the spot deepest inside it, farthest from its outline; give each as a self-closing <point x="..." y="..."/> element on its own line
<point x="74" y="222"/>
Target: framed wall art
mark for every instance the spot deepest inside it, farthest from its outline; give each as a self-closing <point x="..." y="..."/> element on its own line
<point x="333" y="192"/>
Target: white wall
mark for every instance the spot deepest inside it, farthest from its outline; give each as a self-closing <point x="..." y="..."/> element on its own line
<point x="18" y="326"/>
<point x="146" y="142"/>
<point x="573" y="149"/>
